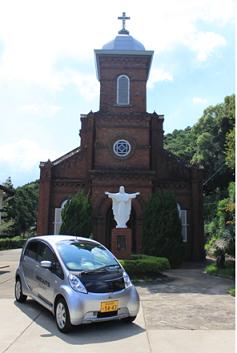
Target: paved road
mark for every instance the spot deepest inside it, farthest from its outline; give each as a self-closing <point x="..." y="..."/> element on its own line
<point x="186" y="311"/>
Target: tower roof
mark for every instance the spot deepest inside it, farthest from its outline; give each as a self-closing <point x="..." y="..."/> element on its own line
<point x="123" y="41"/>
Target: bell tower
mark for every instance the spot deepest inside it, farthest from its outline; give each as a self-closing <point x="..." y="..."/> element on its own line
<point x="123" y="67"/>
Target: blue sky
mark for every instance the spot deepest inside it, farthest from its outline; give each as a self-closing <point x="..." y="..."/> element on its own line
<point x="48" y="78"/>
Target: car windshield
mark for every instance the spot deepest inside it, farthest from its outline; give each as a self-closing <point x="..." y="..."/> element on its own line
<point x="85" y="256"/>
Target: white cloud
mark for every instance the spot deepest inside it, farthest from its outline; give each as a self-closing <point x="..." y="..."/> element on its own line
<point x="39" y="32"/>
<point x="157" y="75"/>
<point x="25" y="154"/>
<point x="204" y="43"/>
<point x="87" y="84"/>
<point x="40" y="110"/>
<point x="199" y="101"/>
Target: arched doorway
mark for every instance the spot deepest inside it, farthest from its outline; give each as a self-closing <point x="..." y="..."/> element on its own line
<point x="110" y="224"/>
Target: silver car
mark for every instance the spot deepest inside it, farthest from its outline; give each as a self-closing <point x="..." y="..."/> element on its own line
<point x="77" y="279"/>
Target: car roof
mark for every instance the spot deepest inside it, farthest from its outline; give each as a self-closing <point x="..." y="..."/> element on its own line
<point x="53" y="239"/>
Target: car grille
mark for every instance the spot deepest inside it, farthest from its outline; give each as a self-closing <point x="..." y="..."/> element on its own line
<point x="109" y="314"/>
<point x="103" y="285"/>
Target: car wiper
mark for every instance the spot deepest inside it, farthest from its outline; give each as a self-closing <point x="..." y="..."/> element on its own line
<point x="99" y="269"/>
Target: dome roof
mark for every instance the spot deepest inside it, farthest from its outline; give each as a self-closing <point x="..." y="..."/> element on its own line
<point x="124" y="42"/>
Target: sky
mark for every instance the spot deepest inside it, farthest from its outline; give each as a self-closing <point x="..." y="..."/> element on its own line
<point x="48" y="76"/>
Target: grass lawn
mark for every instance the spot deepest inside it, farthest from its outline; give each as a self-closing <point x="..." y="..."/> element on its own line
<point x="227" y="272"/>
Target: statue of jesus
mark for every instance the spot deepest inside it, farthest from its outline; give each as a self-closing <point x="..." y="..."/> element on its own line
<point x="121" y="206"/>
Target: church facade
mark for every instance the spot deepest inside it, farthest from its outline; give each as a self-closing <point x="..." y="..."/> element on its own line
<point x="122" y="144"/>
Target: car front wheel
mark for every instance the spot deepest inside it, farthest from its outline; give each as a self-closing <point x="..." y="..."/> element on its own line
<point x="20" y="297"/>
<point x="62" y="316"/>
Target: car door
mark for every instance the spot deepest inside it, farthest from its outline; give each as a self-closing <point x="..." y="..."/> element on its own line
<point x="29" y="265"/>
<point x="47" y="278"/>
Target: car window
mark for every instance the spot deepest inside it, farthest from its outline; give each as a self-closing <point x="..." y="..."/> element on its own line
<point x="31" y="250"/>
<point x="47" y="254"/>
<point x="82" y="255"/>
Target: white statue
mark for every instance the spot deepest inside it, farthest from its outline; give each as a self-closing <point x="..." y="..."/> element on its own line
<point x="121" y="206"/>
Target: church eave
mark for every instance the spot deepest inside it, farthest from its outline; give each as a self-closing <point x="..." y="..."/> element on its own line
<point x="65" y="156"/>
<point x="100" y="52"/>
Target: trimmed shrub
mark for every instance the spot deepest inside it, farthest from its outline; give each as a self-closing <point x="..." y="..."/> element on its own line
<point x="12" y="243"/>
<point x="76" y="216"/>
<point x="162" y="229"/>
<point x="145" y="266"/>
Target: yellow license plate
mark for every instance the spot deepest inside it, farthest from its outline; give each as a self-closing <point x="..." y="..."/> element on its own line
<point x="106" y="307"/>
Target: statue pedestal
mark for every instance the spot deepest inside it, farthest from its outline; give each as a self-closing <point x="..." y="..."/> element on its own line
<point x="121" y="244"/>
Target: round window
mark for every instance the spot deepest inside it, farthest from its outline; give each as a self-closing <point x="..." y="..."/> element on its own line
<point x="122" y="148"/>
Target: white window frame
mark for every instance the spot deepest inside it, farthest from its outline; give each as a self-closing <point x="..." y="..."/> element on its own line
<point x="128" y="90"/>
<point x="183" y="215"/>
<point x="58" y="217"/>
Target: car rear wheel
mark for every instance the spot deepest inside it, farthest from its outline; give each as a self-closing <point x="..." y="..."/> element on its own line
<point x="129" y="319"/>
<point x="62" y="316"/>
<point x="20" y="297"/>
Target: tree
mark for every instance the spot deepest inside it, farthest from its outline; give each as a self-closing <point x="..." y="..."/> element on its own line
<point x="76" y="216"/>
<point x="209" y="144"/>
<point x="6" y="224"/>
<point x="21" y="209"/>
<point x="162" y="228"/>
<point x="181" y="143"/>
<point x="222" y="227"/>
<point x="230" y="149"/>
<point x="8" y="184"/>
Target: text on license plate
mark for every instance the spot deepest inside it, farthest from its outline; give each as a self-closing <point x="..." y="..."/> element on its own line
<point x="109" y="306"/>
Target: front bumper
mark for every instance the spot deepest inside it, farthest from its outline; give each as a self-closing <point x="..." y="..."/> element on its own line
<point x="84" y="308"/>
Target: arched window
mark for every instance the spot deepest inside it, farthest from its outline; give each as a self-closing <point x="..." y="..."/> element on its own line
<point x="123" y="88"/>
<point x="58" y="217"/>
<point x="184" y="222"/>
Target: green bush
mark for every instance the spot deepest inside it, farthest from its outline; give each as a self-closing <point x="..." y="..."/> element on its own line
<point x="12" y="243"/>
<point x="162" y="229"/>
<point x="76" y="216"/>
<point x="231" y="291"/>
<point x="144" y="266"/>
<point x="228" y="271"/>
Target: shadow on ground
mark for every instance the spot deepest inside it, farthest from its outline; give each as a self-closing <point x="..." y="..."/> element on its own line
<point x="190" y="278"/>
<point x="3" y="272"/>
<point x="83" y="334"/>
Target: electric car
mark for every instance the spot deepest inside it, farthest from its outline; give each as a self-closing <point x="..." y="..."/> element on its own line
<point x="77" y="279"/>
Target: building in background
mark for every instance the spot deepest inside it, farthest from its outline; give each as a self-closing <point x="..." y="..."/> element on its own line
<point x="122" y="144"/>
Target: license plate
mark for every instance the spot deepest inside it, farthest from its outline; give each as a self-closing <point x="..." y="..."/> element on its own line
<point x="106" y="307"/>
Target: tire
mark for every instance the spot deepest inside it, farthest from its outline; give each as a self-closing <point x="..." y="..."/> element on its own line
<point x="20" y="297"/>
<point x="62" y="316"/>
<point x="129" y="319"/>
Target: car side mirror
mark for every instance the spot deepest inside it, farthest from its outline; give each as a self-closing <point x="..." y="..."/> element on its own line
<point x="46" y="264"/>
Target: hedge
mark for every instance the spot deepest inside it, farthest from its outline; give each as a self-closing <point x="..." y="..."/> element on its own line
<point x="12" y="243"/>
<point x="145" y="266"/>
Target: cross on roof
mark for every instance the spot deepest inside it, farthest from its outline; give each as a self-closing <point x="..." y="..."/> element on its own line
<point x="123" y="18"/>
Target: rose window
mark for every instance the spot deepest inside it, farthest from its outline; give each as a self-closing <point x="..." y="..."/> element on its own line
<point x="122" y="148"/>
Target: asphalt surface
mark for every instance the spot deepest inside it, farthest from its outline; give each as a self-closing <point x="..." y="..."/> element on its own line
<point x="185" y="311"/>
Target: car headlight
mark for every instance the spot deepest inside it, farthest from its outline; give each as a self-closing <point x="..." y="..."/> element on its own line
<point x="76" y="284"/>
<point x="127" y="280"/>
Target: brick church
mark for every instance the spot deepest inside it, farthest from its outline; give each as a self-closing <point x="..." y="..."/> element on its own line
<point x="122" y="144"/>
